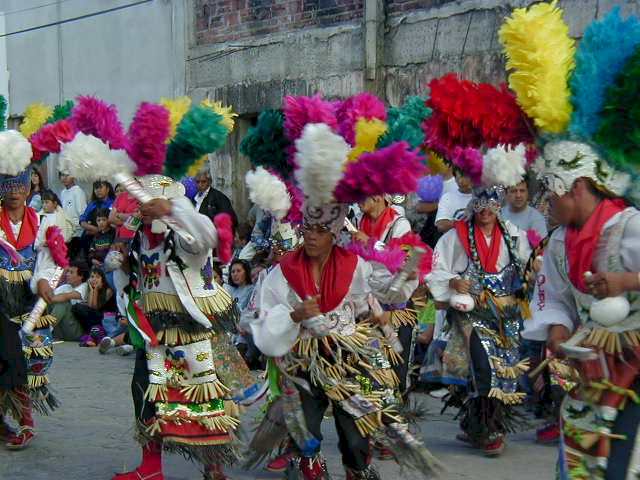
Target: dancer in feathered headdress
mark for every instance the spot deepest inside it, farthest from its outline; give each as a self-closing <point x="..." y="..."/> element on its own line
<point x="336" y="162"/>
<point x="179" y="316"/>
<point x="590" y="308"/>
<point x="479" y="261"/>
<point x="25" y="347"/>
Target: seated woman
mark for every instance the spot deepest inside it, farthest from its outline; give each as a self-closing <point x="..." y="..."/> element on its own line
<point x="100" y="300"/>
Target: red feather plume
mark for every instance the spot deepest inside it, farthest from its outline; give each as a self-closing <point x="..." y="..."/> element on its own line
<point x="412" y="240"/>
<point x="49" y="139"/>
<point x="224" y="226"/>
<point x="57" y="246"/>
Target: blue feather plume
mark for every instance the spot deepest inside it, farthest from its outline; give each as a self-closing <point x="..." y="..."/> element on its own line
<point x="606" y="46"/>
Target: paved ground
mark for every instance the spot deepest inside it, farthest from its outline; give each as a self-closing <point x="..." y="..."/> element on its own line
<point x="90" y="437"/>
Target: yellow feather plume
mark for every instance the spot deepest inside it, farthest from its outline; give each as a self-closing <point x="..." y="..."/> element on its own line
<point x="196" y="167"/>
<point x="226" y="112"/>
<point x="436" y="164"/>
<point x="177" y="108"/>
<point x="368" y="132"/>
<point x="540" y="55"/>
<point x="35" y="116"/>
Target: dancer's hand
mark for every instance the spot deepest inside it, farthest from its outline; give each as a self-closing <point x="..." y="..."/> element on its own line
<point x="360" y="236"/>
<point x="611" y="284"/>
<point x="44" y="290"/>
<point x="156" y="208"/>
<point x="460" y="285"/>
<point x="309" y="308"/>
<point x="557" y="334"/>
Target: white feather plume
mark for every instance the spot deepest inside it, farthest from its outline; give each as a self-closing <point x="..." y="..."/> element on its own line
<point x="15" y="152"/>
<point x="320" y="156"/>
<point x="504" y="166"/>
<point x="268" y="192"/>
<point x="88" y="158"/>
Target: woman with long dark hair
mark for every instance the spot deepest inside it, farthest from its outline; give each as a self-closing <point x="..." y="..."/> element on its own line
<point x="102" y="197"/>
<point x="34" y="200"/>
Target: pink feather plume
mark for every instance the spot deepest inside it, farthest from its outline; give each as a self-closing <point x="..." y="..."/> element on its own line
<point x="534" y="238"/>
<point x="224" y="227"/>
<point x="363" y="105"/>
<point x="395" y="169"/>
<point x="49" y="138"/>
<point x="391" y="258"/>
<point x="57" y="246"/>
<point x="92" y="116"/>
<point x="148" y="133"/>
<point x="412" y="239"/>
<point x="299" y="111"/>
<point x="10" y="250"/>
<point x="297" y="198"/>
<point x="469" y="160"/>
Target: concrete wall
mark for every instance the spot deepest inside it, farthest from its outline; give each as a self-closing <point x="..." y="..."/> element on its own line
<point x="250" y="53"/>
<point x="124" y="57"/>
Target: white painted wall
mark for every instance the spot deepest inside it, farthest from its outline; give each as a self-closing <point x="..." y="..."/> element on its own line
<point x="124" y="57"/>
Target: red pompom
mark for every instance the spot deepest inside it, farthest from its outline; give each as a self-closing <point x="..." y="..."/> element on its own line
<point x="57" y="246"/>
<point x="49" y="139"/>
<point x="224" y="226"/>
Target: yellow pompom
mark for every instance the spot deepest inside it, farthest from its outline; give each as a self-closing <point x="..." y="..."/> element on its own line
<point x="368" y="132"/>
<point x="540" y="55"/>
<point x="177" y="107"/>
<point x="196" y="167"/>
<point x="35" y="116"/>
<point x="436" y="164"/>
<point x="226" y="112"/>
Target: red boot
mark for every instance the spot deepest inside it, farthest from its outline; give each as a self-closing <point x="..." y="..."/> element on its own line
<point x="279" y="464"/>
<point x="23" y="437"/>
<point x="313" y="468"/>
<point x="151" y="466"/>
<point x="214" y="472"/>
<point x="548" y="434"/>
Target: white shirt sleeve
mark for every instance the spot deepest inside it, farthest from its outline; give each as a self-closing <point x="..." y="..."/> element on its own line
<point x="444" y="208"/>
<point x="274" y="332"/>
<point x="629" y="250"/>
<point x="79" y="201"/>
<point x="449" y="261"/>
<point x="553" y="302"/>
<point x="203" y="234"/>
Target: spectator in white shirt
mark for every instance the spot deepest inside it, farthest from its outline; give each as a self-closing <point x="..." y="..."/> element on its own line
<point x="67" y="295"/>
<point x="74" y="203"/>
<point x="452" y="205"/>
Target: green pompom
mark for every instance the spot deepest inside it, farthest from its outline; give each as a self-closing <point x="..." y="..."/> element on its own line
<point x="265" y="144"/>
<point x="3" y="113"/>
<point x="405" y="123"/>
<point x="619" y="133"/>
<point x="200" y="132"/>
<point x="60" y="112"/>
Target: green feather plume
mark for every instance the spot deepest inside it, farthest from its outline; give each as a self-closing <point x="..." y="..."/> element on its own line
<point x="619" y="132"/>
<point x="60" y="112"/>
<point x="200" y="132"/>
<point x="266" y="145"/>
<point x="405" y="123"/>
<point x="3" y="113"/>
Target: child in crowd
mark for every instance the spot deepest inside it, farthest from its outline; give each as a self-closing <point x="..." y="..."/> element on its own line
<point x="53" y="214"/>
<point x="103" y="196"/>
<point x="100" y="301"/>
<point x="66" y="296"/>
<point x="73" y="201"/>
<point x="102" y="240"/>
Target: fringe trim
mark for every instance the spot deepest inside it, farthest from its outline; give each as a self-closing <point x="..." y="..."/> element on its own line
<point x="602" y="339"/>
<point x="216" y="304"/>
<point x="10" y="404"/>
<point x="394" y="357"/>
<point x="507" y="398"/>
<point x="44" y="321"/>
<point x="37" y="381"/>
<point x="177" y="336"/>
<point x="205" y="392"/>
<point x="42" y="352"/>
<point x="509" y="372"/>
<point x="200" y="393"/>
<point x="369" y="424"/>
<point x="13" y="276"/>
<point x="404" y="317"/>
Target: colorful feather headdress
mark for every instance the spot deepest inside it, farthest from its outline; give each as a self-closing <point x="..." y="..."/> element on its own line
<point x="585" y="101"/>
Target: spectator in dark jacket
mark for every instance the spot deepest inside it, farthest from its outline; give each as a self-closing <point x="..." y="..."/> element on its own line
<point x="210" y="201"/>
